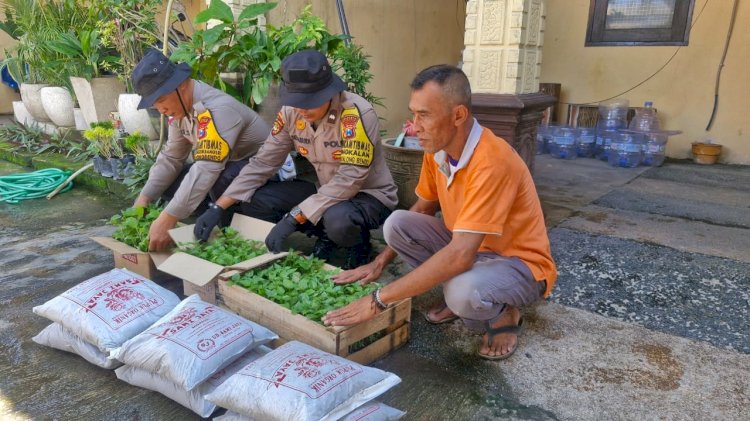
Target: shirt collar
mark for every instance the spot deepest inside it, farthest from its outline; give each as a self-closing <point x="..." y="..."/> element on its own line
<point x="441" y="158"/>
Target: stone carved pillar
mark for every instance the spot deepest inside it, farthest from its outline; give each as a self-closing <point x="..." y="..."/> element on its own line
<point x="502" y="58"/>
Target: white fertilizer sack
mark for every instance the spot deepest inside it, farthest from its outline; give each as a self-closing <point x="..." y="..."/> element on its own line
<point x="56" y="336"/>
<point x="191" y="399"/>
<point x="192" y="342"/>
<point x="374" y="411"/>
<point x="299" y="382"/>
<point x="109" y="309"/>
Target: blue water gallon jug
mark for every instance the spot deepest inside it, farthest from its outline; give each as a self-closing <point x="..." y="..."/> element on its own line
<point x="627" y="152"/>
<point x="654" y="150"/>
<point x="563" y="145"/>
<point x="586" y="142"/>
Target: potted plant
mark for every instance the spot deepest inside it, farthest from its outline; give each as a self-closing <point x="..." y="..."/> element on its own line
<point x="102" y="144"/>
<point x="135" y="30"/>
<point x="31" y="61"/>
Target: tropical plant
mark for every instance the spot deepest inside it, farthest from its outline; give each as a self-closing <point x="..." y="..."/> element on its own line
<point x="85" y="53"/>
<point x="35" y="24"/>
<point x="241" y="46"/>
<point x="138" y="144"/>
<point x="350" y="62"/>
<point x="133" y="29"/>
<point x="137" y="179"/>
<point x="228" y="47"/>
<point x="102" y="141"/>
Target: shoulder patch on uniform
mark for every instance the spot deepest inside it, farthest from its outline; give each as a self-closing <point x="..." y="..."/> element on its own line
<point x="300" y="125"/>
<point x="211" y="146"/>
<point x="278" y="124"/>
<point x="356" y="146"/>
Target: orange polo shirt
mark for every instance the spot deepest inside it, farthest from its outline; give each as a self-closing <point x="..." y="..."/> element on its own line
<point x="491" y="192"/>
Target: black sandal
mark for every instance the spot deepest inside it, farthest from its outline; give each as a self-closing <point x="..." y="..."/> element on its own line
<point x="491" y="332"/>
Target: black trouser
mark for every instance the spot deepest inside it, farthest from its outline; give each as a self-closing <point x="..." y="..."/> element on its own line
<point x="231" y="170"/>
<point x="346" y="223"/>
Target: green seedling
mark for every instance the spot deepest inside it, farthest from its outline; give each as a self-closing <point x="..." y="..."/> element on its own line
<point x="227" y="249"/>
<point x="133" y="225"/>
<point x="302" y="285"/>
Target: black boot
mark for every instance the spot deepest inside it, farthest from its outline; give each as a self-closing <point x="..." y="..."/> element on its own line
<point x="323" y="248"/>
<point x="357" y="256"/>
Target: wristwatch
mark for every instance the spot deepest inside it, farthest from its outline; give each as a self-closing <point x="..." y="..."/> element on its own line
<point x="298" y="215"/>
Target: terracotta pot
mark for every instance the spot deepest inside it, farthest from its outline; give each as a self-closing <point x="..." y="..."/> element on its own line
<point x="706" y="153"/>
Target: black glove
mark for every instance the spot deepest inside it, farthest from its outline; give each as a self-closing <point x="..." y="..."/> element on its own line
<point x="206" y="222"/>
<point x="280" y="232"/>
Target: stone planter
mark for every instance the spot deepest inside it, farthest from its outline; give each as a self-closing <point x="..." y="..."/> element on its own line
<point x="98" y="97"/>
<point x="80" y="121"/>
<point x="706" y="153"/>
<point x="405" y="165"/>
<point x="58" y="104"/>
<point x="134" y="119"/>
<point x="21" y="114"/>
<point x="31" y="96"/>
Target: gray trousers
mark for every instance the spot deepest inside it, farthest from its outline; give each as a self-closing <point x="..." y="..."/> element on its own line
<point x="477" y="295"/>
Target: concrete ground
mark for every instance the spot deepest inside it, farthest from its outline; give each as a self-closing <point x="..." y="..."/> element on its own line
<point x="648" y="320"/>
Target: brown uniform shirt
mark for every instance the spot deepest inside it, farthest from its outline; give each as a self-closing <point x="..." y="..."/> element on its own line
<point x="345" y="151"/>
<point x="220" y="130"/>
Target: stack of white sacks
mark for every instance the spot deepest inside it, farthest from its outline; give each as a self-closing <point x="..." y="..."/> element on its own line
<point x="202" y="356"/>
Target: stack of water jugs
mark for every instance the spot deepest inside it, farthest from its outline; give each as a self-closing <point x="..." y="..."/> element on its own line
<point x="612" y="140"/>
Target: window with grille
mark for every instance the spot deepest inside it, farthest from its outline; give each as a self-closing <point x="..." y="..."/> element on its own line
<point x="639" y="22"/>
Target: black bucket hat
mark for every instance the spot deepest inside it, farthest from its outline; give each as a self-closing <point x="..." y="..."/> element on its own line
<point x="155" y="76"/>
<point x="307" y="80"/>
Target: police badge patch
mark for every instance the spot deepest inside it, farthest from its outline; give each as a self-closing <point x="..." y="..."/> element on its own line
<point x="278" y="124"/>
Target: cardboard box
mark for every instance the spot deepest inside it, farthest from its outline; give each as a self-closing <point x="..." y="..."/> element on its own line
<point x="393" y="324"/>
<point x="199" y="276"/>
<point x="132" y="259"/>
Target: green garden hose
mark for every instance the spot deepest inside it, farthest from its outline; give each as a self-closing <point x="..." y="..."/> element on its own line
<point x="17" y="187"/>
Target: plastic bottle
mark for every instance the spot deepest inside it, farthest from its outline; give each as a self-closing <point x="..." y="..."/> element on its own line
<point x="654" y="149"/>
<point x="604" y="142"/>
<point x="586" y="142"/>
<point x="627" y="151"/>
<point x="541" y="146"/>
<point x="563" y="144"/>
<point x="645" y="119"/>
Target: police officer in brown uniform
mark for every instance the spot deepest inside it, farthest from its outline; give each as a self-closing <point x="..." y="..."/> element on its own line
<point x="219" y="131"/>
<point x="338" y="132"/>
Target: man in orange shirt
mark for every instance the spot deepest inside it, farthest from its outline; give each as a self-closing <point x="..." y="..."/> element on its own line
<point x="490" y="251"/>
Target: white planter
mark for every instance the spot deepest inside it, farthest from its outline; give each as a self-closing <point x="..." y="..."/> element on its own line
<point x="21" y="114"/>
<point x="80" y="121"/>
<point x="134" y="119"/>
<point x="31" y="96"/>
<point x="97" y="98"/>
<point x="58" y="104"/>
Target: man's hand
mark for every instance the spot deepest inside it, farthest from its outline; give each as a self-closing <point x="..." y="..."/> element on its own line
<point x="158" y="235"/>
<point x="141" y="202"/>
<point x="280" y="232"/>
<point x="364" y="274"/>
<point x="359" y="311"/>
<point x="206" y="222"/>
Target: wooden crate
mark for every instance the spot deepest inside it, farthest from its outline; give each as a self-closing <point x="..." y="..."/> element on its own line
<point x="393" y="323"/>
